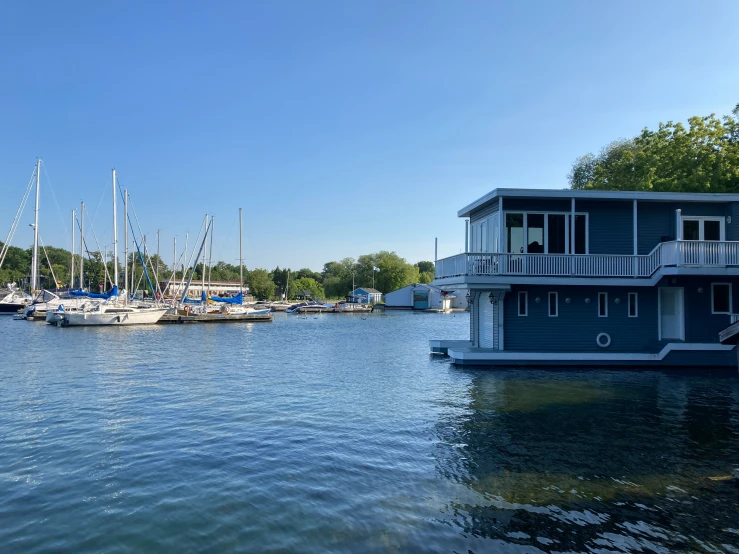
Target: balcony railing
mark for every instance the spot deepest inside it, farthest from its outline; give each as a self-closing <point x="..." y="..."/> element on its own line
<point x="675" y="253"/>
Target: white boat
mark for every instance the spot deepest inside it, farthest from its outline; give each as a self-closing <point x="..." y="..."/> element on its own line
<point x="107" y="314"/>
<point x="13" y="300"/>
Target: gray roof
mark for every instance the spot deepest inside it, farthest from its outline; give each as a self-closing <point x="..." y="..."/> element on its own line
<point x="596" y="195"/>
<point x="367" y="289"/>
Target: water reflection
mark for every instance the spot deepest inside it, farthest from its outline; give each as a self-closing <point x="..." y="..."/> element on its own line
<point x="596" y="461"/>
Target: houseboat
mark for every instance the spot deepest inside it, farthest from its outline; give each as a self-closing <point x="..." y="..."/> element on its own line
<point x="593" y="278"/>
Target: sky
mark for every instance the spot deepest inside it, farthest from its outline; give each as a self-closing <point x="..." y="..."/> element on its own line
<point x="341" y="128"/>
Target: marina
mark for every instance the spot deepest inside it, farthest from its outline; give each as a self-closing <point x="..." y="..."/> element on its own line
<point x="355" y="449"/>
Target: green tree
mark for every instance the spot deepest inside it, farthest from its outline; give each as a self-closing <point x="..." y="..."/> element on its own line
<point x="260" y="284"/>
<point x="337" y="277"/>
<point x="395" y="272"/>
<point x="306" y="283"/>
<point x="702" y="157"/>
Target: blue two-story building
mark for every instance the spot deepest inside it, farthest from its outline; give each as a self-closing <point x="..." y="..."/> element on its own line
<point x="563" y="277"/>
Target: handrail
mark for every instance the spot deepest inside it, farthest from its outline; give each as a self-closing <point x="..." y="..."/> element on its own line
<point x="673" y="253"/>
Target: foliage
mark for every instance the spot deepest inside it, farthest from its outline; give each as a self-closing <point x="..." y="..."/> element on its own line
<point x="260" y="284"/>
<point x="337" y="277"/>
<point x="702" y="157"/>
<point x="309" y="284"/>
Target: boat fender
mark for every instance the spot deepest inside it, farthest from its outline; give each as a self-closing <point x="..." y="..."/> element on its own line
<point x="118" y="319"/>
<point x="603" y="340"/>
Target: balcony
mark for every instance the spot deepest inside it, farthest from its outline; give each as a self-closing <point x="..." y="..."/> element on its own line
<point x="709" y="254"/>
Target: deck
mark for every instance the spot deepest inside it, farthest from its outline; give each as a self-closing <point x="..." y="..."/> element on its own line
<point x="215" y="318"/>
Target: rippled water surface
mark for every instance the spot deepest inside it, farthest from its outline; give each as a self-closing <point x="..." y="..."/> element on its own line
<point x="342" y="434"/>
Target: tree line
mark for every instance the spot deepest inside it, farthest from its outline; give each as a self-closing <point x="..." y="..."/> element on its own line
<point x="385" y="270"/>
<point x="700" y="157"/>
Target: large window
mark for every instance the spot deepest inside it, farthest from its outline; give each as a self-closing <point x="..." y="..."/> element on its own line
<point x="545" y="233"/>
<point x="602" y="304"/>
<point x="720" y="298"/>
<point x="703" y="228"/>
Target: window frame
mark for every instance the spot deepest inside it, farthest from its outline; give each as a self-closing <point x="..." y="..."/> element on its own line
<point x="525" y="294"/>
<point x="605" y="295"/>
<point x="568" y="227"/>
<point x="635" y="296"/>
<point x="713" y="302"/>
<point x="556" y="304"/>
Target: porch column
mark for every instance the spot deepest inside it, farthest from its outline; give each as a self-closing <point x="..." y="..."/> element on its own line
<point x="572" y="236"/>
<point x="501" y="224"/>
<point x="636" y="242"/>
<point x="466" y="236"/>
<point x="678" y="236"/>
<point x="501" y="320"/>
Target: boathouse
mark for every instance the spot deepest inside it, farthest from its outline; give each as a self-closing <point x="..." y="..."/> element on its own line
<point x="563" y="277"/>
<point x="365" y="295"/>
<point x="418" y="297"/>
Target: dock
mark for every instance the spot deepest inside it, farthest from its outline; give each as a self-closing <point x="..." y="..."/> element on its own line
<point x="215" y="318"/>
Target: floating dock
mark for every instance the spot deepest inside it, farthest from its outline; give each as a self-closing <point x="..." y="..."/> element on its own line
<point x="215" y="318"/>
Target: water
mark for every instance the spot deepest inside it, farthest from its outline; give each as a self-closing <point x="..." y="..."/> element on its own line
<point x="342" y="434"/>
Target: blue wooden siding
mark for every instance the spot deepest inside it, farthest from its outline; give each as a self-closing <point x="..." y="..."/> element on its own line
<point x="536" y="205"/>
<point x="732" y="229"/>
<point x="611" y="226"/>
<point x="483" y="213"/>
<point x="578" y="324"/>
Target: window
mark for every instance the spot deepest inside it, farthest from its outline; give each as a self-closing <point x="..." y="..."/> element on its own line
<point x="720" y="298"/>
<point x="523" y="303"/>
<point x="703" y="228"/>
<point x="602" y="304"/>
<point x="633" y="304"/>
<point x="545" y="233"/>
<point x="553" y="304"/>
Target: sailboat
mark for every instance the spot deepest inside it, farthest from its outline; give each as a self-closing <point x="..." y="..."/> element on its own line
<point x="105" y="309"/>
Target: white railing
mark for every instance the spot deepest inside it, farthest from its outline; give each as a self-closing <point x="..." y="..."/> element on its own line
<point x="675" y="253"/>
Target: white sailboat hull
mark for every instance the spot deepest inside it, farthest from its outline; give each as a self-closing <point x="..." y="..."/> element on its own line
<point x="110" y="317"/>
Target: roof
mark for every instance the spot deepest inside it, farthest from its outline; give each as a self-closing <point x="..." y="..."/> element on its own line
<point x="596" y="195"/>
<point x="305" y="292"/>
<point x="367" y="290"/>
<point x="418" y="285"/>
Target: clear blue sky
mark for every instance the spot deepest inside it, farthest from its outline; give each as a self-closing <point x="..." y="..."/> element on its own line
<point x="341" y="128"/>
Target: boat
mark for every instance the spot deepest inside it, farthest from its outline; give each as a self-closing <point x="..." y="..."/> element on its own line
<point x="13" y="300"/>
<point x="102" y="313"/>
<point x="310" y="306"/>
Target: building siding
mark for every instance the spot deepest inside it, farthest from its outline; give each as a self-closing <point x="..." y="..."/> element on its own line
<point x="484" y="213"/>
<point x="732" y="229"/>
<point x="578" y="324"/>
<point x="611" y="226"/>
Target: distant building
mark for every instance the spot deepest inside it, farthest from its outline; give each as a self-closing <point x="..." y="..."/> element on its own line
<point x="365" y="295"/>
<point x="216" y="288"/>
<point x="418" y="297"/>
<point x="304" y="295"/>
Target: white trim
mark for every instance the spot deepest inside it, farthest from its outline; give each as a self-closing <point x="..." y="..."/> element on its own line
<point x="596" y="195"/>
<point x="636" y="304"/>
<point x="526" y="303"/>
<point x="501" y="224"/>
<point x="491" y="355"/>
<point x="556" y="304"/>
<point x="730" y="300"/>
<point x="636" y="235"/>
<point x="606" y="305"/>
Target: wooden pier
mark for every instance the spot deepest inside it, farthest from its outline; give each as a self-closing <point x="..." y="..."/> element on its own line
<point x="215" y="318"/>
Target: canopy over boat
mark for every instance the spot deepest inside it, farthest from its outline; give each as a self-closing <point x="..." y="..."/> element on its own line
<point x="238" y="299"/>
<point x="80" y="293"/>
<point x="195" y="301"/>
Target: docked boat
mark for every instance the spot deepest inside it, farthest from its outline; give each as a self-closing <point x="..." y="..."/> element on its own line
<point x="309" y="307"/>
<point x="13" y="300"/>
<point x="101" y="313"/>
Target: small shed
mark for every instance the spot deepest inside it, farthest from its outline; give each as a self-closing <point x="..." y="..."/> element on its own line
<point x="304" y="295"/>
<point x="418" y="297"/>
<point x="365" y="295"/>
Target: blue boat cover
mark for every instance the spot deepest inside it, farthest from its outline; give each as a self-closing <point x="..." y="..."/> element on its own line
<point x="195" y="301"/>
<point x="238" y="299"/>
<point x="104" y="296"/>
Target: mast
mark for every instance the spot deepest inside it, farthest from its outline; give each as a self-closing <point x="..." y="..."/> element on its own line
<point x="187" y="285"/>
<point x="115" y="236"/>
<point x="71" y="275"/>
<point x="210" y="252"/>
<point x="34" y="261"/>
<point x="173" y="276"/>
<point x="125" y="242"/>
<point x="287" y="285"/>
<point x="205" y="254"/>
<point x="82" y="245"/>
<point x="241" y="258"/>
<point x="156" y="270"/>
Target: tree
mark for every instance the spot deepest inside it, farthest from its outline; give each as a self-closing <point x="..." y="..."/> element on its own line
<point x="395" y="272"/>
<point x="260" y="284"/>
<point x="702" y="157"/>
<point x="425" y="267"/>
<point x="337" y="277"/>
<point x="306" y="283"/>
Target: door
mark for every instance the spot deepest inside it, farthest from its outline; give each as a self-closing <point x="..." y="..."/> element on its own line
<point x="671" y="313"/>
<point x="701" y="232"/>
<point x="486" y="320"/>
<point x="421" y="300"/>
